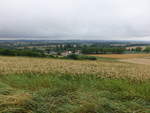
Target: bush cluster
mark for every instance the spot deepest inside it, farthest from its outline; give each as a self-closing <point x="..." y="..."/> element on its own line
<point x="80" y="57"/>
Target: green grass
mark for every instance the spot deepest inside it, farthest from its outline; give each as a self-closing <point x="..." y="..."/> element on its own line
<point x="73" y="94"/>
<point x="107" y="59"/>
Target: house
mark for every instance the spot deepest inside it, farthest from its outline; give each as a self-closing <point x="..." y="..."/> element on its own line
<point x="78" y="52"/>
<point x="66" y="53"/>
<point x="51" y="53"/>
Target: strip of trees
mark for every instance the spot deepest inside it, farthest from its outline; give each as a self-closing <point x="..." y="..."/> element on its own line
<point x="84" y="50"/>
<point x="23" y="52"/>
<point x="105" y="50"/>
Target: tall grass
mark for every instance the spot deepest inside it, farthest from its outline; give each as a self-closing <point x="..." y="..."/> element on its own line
<point x="35" y="85"/>
<point x="79" y="94"/>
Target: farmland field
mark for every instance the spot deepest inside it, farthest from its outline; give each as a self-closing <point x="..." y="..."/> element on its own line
<point x="42" y="85"/>
<point x="122" y="56"/>
<point x="145" y="61"/>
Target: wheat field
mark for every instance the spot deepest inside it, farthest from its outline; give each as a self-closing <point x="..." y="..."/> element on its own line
<point x="115" y="69"/>
<point x="43" y="85"/>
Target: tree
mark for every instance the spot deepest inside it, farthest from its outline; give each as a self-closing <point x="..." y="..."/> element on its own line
<point x="138" y="49"/>
<point x="147" y="49"/>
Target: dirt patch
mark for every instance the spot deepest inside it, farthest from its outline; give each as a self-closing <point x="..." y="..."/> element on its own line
<point x="145" y="61"/>
<point x="122" y="56"/>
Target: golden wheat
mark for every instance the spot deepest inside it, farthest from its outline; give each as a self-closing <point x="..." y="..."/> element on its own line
<point x="23" y="65"/>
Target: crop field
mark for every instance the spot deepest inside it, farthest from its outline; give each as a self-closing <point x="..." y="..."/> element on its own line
<point x="42" y="85"/>
<point x="21" y="65"/>
<point x="145" y="61"/>
<point x="122" y="56"/>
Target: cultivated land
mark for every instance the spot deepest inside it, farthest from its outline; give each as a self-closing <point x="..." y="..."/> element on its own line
<point x="122" y="56"/>
<point x="130" y="58"/>
<point x="145" y="61"/>
<point x="42" y="85"/>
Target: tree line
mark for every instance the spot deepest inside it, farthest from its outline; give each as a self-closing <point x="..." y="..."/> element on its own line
<point x="23" y="52"/>
<point x="104" y="50"/>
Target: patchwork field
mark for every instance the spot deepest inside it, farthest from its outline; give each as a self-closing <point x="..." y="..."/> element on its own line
<point x="122" y="56"/>
<point x="42" y="85"/>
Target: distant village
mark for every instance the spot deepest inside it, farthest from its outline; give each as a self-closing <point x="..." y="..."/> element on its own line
<point x="65" y="48"/>
<point x="65" y="53"/>
<point x="56" y="49"/>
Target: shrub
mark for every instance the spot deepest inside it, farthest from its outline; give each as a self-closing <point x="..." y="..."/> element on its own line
<point x="73" y="56"/>
<point x="88" y="57"/>
<point x="80" y="57"/>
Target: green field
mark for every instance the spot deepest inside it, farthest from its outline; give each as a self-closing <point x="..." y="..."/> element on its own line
<point x="42" y="85"/>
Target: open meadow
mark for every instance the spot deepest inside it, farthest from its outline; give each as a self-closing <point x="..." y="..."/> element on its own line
<point x="43" y="85"/>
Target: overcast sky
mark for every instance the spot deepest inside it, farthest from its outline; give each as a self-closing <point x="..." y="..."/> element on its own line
<point x="75" y="19"/>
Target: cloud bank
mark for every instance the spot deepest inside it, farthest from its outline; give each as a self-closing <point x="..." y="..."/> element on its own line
<point x="75" y="19"/>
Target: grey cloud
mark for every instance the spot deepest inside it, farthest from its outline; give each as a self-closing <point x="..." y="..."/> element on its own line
<point x="83" y="19"/>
